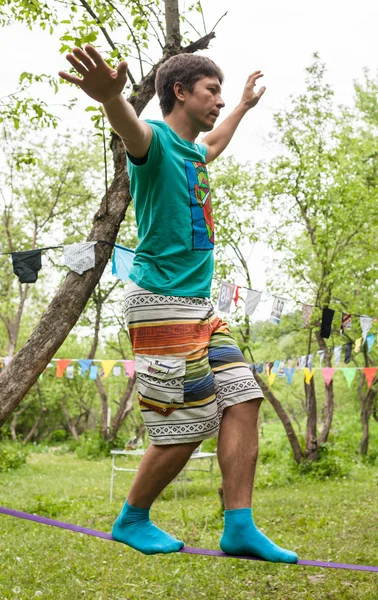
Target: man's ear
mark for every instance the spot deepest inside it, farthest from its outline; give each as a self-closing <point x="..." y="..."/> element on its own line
<point x="179" y="91"/>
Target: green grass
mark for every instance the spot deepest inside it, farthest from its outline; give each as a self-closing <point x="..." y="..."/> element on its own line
<point x="329" y="520"/>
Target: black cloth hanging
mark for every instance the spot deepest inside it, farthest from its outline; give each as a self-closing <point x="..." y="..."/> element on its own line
<point x="327" y="317"/>
<point x="348" y="352"/>
<point x="27" y="264"/>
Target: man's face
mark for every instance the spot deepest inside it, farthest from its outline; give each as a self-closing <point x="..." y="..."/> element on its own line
<point x="204" y="103"/>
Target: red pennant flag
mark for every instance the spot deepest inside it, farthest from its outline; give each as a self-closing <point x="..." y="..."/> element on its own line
<point x="328" y="374"/>
<point x="61" y="366"/>
<point x="370" y="374"/>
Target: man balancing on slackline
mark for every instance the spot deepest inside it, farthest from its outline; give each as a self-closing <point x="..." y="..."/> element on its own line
<point x="193" y="380"/>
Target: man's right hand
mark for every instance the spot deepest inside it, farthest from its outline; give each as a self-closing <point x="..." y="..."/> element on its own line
<point x="99" y="81"/>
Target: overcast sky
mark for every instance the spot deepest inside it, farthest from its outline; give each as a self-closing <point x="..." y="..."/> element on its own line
<point x="277" y="37"/>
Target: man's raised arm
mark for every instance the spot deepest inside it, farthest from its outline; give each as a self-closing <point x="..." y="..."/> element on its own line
<point x="104" y="84"/>
<point x="220" y="137"/>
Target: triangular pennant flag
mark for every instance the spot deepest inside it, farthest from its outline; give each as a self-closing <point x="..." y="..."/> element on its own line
<point x="370" y="374"/>
<point x="117" y="371"/>
<point x="338" y="350"/>
<point x="328" y="374"/>
<point x="357" y="344"/>
<point x="289" y="372"/>
<point x="70" y="372"/>
<point x="370" y="341"/>
<point x="226" y="293"/>
<point x="107" y="366"/>
<point x="307" y="310"/>
<point x="277" y="309"/>
<point x="271" y="378"/>
<point x="93" y="372"/>
<point x="308" y="374"/>
<point x="61" y="366"/>
<point x="251" y="302"/>
<point x="366" y="323"/>
<point x="129" y="367"/>
<point x="122" y="262"/>
<point x="84" y="363"/>
<point x="349" y="375"/>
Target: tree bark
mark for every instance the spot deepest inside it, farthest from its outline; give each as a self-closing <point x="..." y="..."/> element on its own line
<point x="125" y="407"/>
<point x="70" y="300"/>
<point x="34" y="428"/>
<point x="329" y="403"/>
<point x="285" y="420"/>
<point x="71" y="426"/>
<point x="311" y="428"/>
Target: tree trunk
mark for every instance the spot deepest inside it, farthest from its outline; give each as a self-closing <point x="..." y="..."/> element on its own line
<point x="70" y="424"/>
<point x="34" y="428"/>
<point x="285" y="419"/>
<point x="311" y="429"/>
<point x="329" y="401"/>
<point x="125" y="407"/>
<point x="70" y="300"/>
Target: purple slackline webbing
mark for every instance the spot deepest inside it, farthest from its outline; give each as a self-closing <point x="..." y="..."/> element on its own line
<point x="185" y="550"/>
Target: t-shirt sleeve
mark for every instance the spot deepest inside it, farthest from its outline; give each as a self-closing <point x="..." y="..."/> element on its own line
<point x="202" y="149"/>
<point x="154" y="153"/>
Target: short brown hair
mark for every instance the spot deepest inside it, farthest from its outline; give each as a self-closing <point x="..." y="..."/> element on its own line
<point x="187" y="69"/>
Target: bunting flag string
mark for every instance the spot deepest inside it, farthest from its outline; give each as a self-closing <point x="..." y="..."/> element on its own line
<point x="65" y="367"/>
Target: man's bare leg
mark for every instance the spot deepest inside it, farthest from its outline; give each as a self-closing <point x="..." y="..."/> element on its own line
<point x="159" y="466"/>
<point x="237" y="455"/>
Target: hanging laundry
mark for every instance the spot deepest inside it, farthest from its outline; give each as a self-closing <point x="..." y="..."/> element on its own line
<point x="310" y="360"/>
<point x="370" y="374"/>
<point x="251" y="302"/>
<point x="80" y="257"/>
<point x="328" y="374"/>
<point x="61" y="366"/>
<point x="93" y="372"/>
<point x="70" y="372"/>
<point x="260" y="367"/>
<point x="346" y="322"/>
<point x="85" y="363"/>
<point x="370" y="341"/>
<point x="338" y="350"/>
<point x="327" y="317"/>
<point x="26" y="265"/>
<point x="117" y="371"/>
<point x="321" y="357"/>
<point x="276" y="364"/>
<point x="7" y="360"/>
<point x="308" y="374"/>
<point x="226" y="293"/>
<point x="129" y="367"/>
<point x="366" y="323"/>
<point x="236" y="297"/>
<point x="277" y="310"/>
<point x="349" y="375"/>
<point x="289" y="372"/>
<point x="107" y="366"/>
<point x="348" y="352"/>
<point x="357" y="345"/>
<point x="307" y="310"/>
<point x="122" y="261"/>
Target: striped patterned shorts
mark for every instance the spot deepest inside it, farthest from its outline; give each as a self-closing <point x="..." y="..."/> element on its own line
<point x="188" y="366"/>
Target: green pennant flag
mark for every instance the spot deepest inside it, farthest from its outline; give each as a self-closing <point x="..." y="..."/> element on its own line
<point x="349" y="374"/>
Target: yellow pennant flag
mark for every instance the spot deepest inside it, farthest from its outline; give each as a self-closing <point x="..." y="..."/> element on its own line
<point x="107" y="366"/>
<point x="357" y="344"/>
<point x="308" y="374"/>
<point x="271" y="378"/>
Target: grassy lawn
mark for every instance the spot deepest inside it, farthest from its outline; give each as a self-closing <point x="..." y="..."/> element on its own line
<point x="332" y="521"/>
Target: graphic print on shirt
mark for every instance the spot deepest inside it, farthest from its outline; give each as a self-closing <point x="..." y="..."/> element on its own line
<point x="200" y="205"/>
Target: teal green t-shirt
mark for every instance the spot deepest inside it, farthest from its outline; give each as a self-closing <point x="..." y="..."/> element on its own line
<point x="173" y="211"/>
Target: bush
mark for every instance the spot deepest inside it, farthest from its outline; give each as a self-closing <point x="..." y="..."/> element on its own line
<point x="92" y="446"/>
<point x="58" y="436"/>
<point x="12" y="455"/>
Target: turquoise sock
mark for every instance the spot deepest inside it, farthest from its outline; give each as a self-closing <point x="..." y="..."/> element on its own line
<point x="134" y="528"/>
<point x="241" y="537"/>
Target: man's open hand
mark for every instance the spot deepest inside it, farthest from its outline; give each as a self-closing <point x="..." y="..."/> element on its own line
<point x="250" y="98"/>
<point x="99" y="81"/>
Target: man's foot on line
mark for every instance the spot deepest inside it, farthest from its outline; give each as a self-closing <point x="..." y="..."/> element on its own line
<point x="241" y="537"/>
<point x="134" y="528"/>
